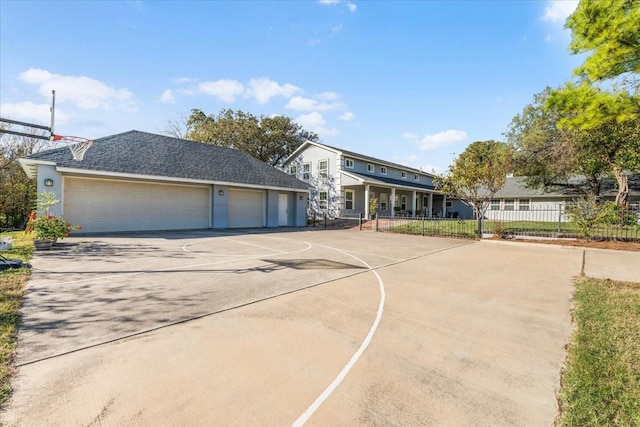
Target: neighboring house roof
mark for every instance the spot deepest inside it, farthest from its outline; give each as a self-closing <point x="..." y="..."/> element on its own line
<point x="515" y="187"/>
<point x="150" y="155"/>
<point x="354" y="155"/>
<point x="381" y="180"/>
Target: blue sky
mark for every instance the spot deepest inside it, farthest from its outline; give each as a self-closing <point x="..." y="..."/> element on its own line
<point x="413" y="82"/>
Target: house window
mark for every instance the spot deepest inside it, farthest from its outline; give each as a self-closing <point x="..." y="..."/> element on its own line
<point x="323" y="168"/>
<point x="348" y="199"/>
<point x="383" y="170"/>
<point x="524" y="204"/>
<point x="306" y="171"/>
<point x="509" y="204"/>
<point x="403" y="174"/>
<point x="370" y="168"/>
<point x="384" y="200"/>
<point x="348" y="163"/>
<point x="448" y="204"/>
<point x="495" y="205"/>
<point x="323" y="197"/>
<point x="403" y="202"/>
<point x="293" y="169"/>
<point x="416" y="177"/>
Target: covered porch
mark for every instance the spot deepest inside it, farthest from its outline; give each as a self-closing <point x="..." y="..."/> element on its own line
<point x="403" y="199"/>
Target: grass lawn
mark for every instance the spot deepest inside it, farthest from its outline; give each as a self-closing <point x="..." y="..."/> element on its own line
<point x="600" y="385"/>
<point x="12" y="284"/>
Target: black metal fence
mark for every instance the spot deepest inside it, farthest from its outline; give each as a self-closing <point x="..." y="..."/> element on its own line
<point x="539" y="223"/>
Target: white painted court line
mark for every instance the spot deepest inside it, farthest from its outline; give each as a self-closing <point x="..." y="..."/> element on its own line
<point x="343" y="373"/>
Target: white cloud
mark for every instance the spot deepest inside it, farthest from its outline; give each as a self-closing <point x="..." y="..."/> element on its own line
<point x="315" y="123"/>
<point x="33" y="113"/>
<point x="306" y="104"/>
<point x="347" y="117"/>
<point x="81" y="91"/>
<point x="263" y="89"/>
<point x="559" y="10"/>
<point x="225" y="90"/>
<point x="350" y="5"/>
<point x="167" y="97"/>
<point x="440" y="139"/>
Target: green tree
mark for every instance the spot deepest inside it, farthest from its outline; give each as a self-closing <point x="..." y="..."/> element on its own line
<point x="270" y="139"/>
<point x="477" y="174"/>
<point x="551" y="152"/>
<point x="550" y="156"/>
<point x="609" y="31"/>
<point x="17" y="191"/>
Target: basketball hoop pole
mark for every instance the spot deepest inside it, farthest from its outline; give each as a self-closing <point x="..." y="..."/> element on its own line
<point x="32" y="125"/>
<point x="53" y="113"/>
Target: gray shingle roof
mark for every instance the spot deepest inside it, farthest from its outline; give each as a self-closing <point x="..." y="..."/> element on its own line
<point x="143" y="153"/>
<point x="376" y="179"/>
<point x="371" y="159"/>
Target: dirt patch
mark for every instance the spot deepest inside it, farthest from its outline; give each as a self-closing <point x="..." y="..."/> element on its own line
<point x="597" y="244"/>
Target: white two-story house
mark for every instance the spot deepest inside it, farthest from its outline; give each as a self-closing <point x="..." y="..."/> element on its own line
<point x="345" y="183"/>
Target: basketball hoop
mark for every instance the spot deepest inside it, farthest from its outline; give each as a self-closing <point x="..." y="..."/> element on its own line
<point x="76" y="144"/>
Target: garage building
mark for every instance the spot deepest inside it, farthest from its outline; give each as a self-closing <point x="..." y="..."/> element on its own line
<point x="138" y="181"/>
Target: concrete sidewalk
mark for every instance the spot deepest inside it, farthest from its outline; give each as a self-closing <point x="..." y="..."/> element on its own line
<point x="615" y="265"/>
<point x="610" y="264"/>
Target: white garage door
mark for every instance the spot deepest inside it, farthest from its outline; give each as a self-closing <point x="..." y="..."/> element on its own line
<point x="246" y="208"/>
<point x="109" y="205"/>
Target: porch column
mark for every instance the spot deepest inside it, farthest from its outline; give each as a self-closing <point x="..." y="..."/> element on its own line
<point x="430" y="205"/>
<point x="392" y="202"/>
<point x="414" y="204"/>
<point x="366" y="201"/>
<point x="444" y="206"/>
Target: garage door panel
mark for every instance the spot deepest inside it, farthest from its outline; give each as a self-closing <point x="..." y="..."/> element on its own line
<point x="246" y="208"/>
<point x="104" y="205"/>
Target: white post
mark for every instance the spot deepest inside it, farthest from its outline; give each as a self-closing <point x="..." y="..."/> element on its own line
<point x="444" y="206"/>
<point x="430" y="205"/>
<point x="366" y="201"/>
<point x="392" y="202"/>
<point x="413" y="203"/>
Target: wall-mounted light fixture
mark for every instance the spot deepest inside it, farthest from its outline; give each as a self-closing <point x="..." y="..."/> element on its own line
<point x="221" y="192"/>
<point x="301" y="197"/>
<point x="48" y="182"/>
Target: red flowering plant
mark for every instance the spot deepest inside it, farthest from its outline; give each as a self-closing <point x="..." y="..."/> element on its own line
<point x="46" y="226"/>
<point x="52" y="227"/>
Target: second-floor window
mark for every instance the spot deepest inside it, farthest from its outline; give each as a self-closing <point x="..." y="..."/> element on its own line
<point x="416" y="177"/>
<point x="348" y="163"/>
<point x="403" y="174"/>
<point x="293" y="169"/>
<point x="383" y="170"/>
<point x="370" y="168"/>
<point x="323" y="168"/>
<point x="306" y="171"/>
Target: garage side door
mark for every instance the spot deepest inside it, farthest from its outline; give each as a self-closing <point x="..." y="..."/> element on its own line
<point x="112" y="205"/>
<point x="246" y="208"/>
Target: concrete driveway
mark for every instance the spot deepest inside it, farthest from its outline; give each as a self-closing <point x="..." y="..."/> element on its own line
<point x="317" y="327"/>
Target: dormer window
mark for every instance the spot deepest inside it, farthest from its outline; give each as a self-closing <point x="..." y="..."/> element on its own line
<point x="349" y="163"/>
